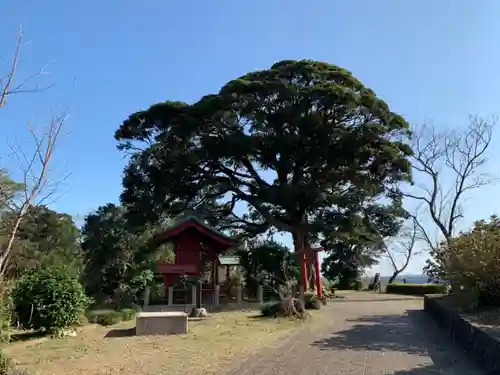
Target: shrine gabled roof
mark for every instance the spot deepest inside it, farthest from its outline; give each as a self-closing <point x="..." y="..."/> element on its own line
<point x="191" y="221"/>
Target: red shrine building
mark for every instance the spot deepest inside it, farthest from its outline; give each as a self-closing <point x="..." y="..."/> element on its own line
<point x="200" y="252"/>
<point x="198" y="248"/>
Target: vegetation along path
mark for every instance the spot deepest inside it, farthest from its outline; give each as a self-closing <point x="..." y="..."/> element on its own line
<point x="368" y="335"/>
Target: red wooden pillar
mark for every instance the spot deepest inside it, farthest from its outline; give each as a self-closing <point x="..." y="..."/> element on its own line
<point x="317" y="273"/>
<point x="303" y="265"/>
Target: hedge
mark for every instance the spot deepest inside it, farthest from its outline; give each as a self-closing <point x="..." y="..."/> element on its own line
<point x="415" y="289"/>
<point x="107" y="317"/>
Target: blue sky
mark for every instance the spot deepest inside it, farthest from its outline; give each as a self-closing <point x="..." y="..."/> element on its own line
<point x="428" y="59"/>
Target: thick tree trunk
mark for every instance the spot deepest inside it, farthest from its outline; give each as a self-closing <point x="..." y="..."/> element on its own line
<point x="393" y="277"/>
<point x="298" y="245"/>
<point x="311" y="274"/>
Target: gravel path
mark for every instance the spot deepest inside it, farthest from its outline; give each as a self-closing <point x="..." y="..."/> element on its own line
<point x="366" y="336"/>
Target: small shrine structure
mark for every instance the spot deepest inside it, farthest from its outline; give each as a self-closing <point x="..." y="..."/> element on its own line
<point x="196" y="246"/>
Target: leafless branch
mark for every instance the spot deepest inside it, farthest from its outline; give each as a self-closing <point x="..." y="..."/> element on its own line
<point x="35" y="171"/>
<point x="448" y="154"/>
<point x="6" y="82"/>
<point x="403" y="247"/>
<point x="8" y="85"/>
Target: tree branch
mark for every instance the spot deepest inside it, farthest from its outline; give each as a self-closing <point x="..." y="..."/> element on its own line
<point x="35" y="188"/>
<point x="439" y="154"/>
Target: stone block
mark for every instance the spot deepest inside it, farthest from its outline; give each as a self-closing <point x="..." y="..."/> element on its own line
<point x="161" y="323"/>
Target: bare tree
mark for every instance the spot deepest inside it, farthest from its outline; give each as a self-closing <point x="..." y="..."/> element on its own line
<point x="448" y="164"/>
<point x="33" y="166"/>
<point x="36" y="188"/>
<point x="402" y="248"/>
<point x="7" y="80"/>
<point x="8" y="83"/>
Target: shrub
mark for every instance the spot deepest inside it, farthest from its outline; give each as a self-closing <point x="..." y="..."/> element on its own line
<point x="82" y="321"/>
<point x="315" y="304"/>
<point x="105" y="317"/>
<point x="289" y="307"/>
<point x="110" y="319"/>
<point x="128" y="314"/>
<point x="49" y="299"/>
<point x="93" y="315"/>
<point x="471" y="263"/>
<point x="311" y="301"/>
<point x="7" y="367"/>
<point x="5" y="312"/>
<point x="329" y="294"/>
<point x="5" y="364"/>
<point x="270" y="308"/>
<point x="358" y="285"/>
<point x="415" y="289"/>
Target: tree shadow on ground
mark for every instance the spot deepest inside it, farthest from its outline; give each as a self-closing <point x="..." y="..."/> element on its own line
<point x="27" y="335"/>
<point x="413" y="333"/>
<point x="120" y="332"/>
<point x="435" y="369"/>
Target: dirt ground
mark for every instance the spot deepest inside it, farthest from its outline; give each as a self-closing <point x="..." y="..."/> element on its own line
<point x="211" y="344"/>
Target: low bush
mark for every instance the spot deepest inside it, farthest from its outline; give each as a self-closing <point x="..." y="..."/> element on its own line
<point x="415" y="289"/>
<point x="49" y="299"/>
<point x="289" y="307"/>
<point x="311" y="301"/>
<point x="104" y="317"/>
<point x="5" y="364"/>
<point x="82" y="321"/>
<point x="7" y="367"/>
<point x="5" y="312"/>
<point x="271" y="308"/>
<point x="471" y="264"/>
<point x="108" y="317"/>
<point x="128" y="314"/>
<point x="93" y="315"/>
<point x="329" y="294"/>
<point x="314" y="304"/>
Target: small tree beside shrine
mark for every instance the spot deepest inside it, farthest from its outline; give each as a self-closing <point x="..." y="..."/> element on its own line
<point x="304" y="145"/>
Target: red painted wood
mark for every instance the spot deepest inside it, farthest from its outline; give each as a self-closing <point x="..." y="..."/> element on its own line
<point x="221" y="240"/>
<point x="177" y="269"/>
<point x="188" y="239"/>
<point x="188" y="249"/>
<point x="311" y="250"/>
<point x="319" y="288"/>
<point x="303" y="265"/>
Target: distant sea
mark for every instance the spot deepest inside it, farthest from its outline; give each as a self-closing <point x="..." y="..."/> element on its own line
<point x="410" y="279"/>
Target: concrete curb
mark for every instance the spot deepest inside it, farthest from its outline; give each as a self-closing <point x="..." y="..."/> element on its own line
<point x="482" y="347"/>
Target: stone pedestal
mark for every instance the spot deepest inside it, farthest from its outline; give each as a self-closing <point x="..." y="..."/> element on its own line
<point x="194" y="289"/>
<point x="170" y="295"/>
<point x="161" y="323"/>
<point x="239" y="294"/>
<point x="260" y="294"/>
<point x="147" y="293"/>
<point x="216" y="295"/>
